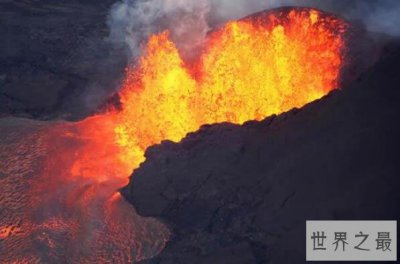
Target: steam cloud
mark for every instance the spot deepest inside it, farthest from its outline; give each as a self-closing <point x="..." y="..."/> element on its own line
<point x="132" y="21"/>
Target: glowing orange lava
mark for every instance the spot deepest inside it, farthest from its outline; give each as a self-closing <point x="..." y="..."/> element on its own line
<point x="249" y="69"/>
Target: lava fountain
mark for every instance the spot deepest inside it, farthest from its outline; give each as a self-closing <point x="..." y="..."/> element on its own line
<point x="60" y="199"/>
<point x="265" y="64"/>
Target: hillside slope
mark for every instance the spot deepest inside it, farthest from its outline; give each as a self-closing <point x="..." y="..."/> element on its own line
<point x="242" y="194"/>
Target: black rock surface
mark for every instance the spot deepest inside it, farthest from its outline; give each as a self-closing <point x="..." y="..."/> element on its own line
<point x="53" y="55"/>
<point x="242" y="194"/>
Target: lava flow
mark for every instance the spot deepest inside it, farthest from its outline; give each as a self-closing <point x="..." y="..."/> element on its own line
<point x="262" y="65"/>
<point x="60" y="179"/>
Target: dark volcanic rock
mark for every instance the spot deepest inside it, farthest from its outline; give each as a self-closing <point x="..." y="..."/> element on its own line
<point x="242" y="194"/>
<point x="53" y="54"/>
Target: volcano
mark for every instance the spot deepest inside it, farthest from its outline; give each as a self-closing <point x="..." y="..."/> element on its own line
<point x="223" y="173"/>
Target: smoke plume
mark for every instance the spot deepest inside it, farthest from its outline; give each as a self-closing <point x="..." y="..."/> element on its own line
<point x="132" y="21"/>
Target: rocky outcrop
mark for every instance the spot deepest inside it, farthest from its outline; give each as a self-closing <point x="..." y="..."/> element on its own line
<point x="242" y="194"/>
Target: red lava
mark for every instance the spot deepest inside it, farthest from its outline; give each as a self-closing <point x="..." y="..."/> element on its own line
<point x="48" y="216"/>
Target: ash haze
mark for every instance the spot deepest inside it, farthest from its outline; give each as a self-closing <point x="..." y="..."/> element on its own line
<point x="132" y="21"/>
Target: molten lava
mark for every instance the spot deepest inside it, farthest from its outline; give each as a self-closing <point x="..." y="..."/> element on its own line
<point x="60" y="179"/>
<point x="265" y="64"/>
<point x="262" y="65"/>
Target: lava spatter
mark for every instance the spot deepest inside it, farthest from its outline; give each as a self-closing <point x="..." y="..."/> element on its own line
<point x="249" y="69"/>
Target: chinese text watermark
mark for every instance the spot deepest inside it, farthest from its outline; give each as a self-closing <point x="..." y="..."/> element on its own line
<point x="351" y="240"/>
